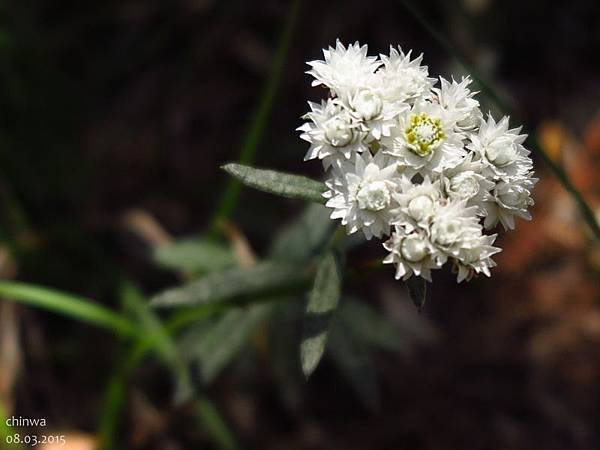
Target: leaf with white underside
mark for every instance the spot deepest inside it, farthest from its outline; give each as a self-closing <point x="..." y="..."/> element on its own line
<point x="322" y="302"/>
<point x="229" y="284"/>
<point x="417" y="290"/>
<point x="284" y="184"/>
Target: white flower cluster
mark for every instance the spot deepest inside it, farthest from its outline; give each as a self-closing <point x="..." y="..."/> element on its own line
<point x="415" y="161"/>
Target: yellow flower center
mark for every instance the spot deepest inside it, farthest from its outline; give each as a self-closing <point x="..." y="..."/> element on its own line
<point x="424" y="134"/>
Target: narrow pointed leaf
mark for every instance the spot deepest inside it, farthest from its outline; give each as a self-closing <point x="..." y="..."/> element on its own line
<point x="194" y="256"/>
<point x="284" y="184"/>
<point x="322" y="302"/>
<point x="213" y="346"/>
<point x="229" y="284"/>
<point x="112" y="410"/>
<point x="417" y="290"/>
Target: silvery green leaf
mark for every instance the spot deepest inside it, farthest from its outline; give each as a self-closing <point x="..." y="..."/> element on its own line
<point x="214" y="345"/>
<point x="194" y="256"/>
<point x="322" y="302"/>
<point x="231" y="283"/>
<point x="284" y="184"/>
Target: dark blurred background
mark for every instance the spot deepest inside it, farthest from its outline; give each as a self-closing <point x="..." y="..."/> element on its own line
<point x="114" y="119"/>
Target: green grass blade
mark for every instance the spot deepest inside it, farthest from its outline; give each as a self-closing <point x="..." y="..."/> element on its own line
<point x="162" y="342"/>
<point x="278" y="183"/>
<point x="68" y="305"/>
<point x="154" y="341"/>
<point x="138" y="307"/>
<point x="585" y="209"/>
<point x="154" y="337"/>
<point x="114" y="401"/>
<point x="261" y="116"/>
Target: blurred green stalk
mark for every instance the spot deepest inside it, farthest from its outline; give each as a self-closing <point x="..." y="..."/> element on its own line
<point x="260" y="119"/>
<point x="156" y="337"/>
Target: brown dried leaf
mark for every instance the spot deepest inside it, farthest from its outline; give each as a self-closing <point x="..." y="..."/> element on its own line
<point x="147" y="227"/>
<point x="244" y="254"/>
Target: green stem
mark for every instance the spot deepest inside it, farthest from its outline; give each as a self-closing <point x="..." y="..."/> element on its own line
<point x="115" y="393"/>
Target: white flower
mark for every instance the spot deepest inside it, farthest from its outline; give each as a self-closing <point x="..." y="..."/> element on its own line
<point x="366" y="104"/>
<point x="344" y="70"/>
<point x="402" y="80"/>
<point x="510" y="199"/>
<point x="453" y="224"/>
<point x="417" y="203"/>
<point x="457" y="99"/>
<point x="457" y="233"/>
<point x="361" y="193"/>
<point x="425" y="141"/>
<point x="452" y="231"/>
<point x="332" y="132"/>
<point x="376" y="115"/>
<point x="406" y="154"/>
<point x="475" y="257"/>
<point x="500" y="149"/>
<point x="465" y="182"/>
<point x="412" y="253"/>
